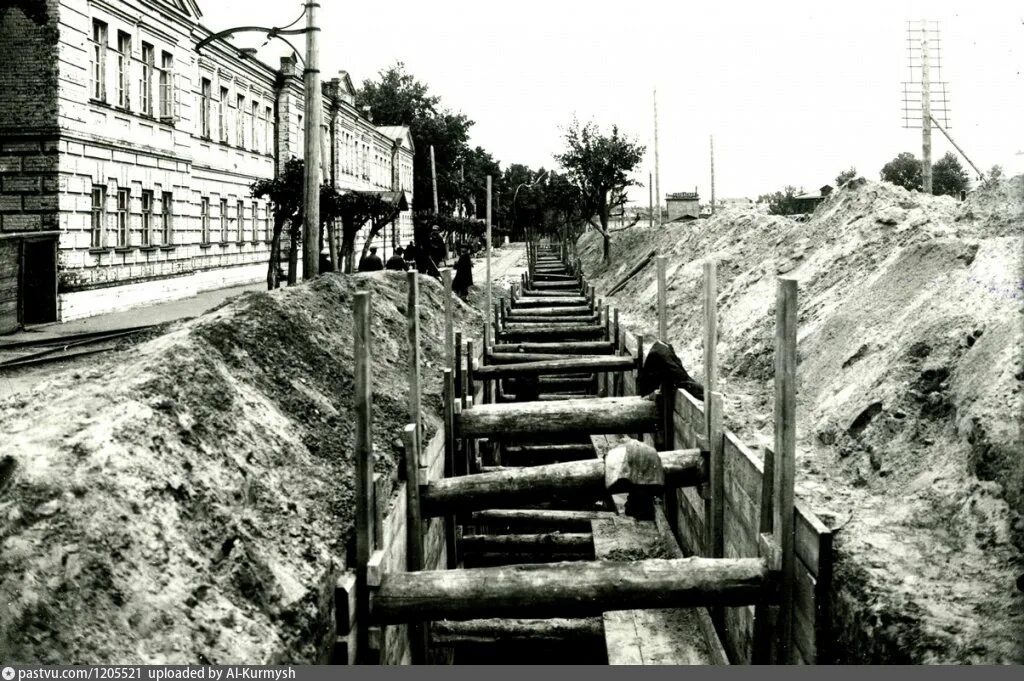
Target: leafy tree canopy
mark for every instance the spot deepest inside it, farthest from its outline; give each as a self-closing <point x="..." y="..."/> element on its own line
<point x="904" y="171"/>
<point x="949" y="177"/>
<point x="846" y="176"/>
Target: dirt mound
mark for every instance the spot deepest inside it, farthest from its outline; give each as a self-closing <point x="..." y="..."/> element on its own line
<point x="190" y="500"/>
<point x="910" y="400"/>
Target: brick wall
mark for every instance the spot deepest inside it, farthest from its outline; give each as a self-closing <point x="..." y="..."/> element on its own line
<point x="28" y="120"/>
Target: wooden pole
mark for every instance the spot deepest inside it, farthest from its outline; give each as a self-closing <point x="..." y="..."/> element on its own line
<point x="712" y="174"/>
<point x="449" y="318"/>
<point x="364" y="464"/>
<point x="574" y="365"/>
<point x="661" y="262"/>
<point x="413" y="332"/>
<point x="414" y="533"/>
<point x="650" y="199"/>
<point x="451" y="544"/>
<point x="311" y="145"/>
<point x="783" y="522"/>
<point x="710" y="327"/>
<point x="657" y="161"/>
<point x="714" y="505"/>
<point x="433" y="180"/>
<point x="572" y="589"/>
<point x="460" y="383"/>
<point x="487" y="332"/>
<point x="926" y="110"/>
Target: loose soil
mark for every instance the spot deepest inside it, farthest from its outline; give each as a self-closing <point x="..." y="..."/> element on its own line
<point x="189" y="500"/>
<point x="911" y="314"/>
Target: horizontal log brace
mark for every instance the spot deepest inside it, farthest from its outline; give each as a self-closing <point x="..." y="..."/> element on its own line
<point x="583" y="365"/>
<point x="580" y="589"/>
<point x="593" y="416"/>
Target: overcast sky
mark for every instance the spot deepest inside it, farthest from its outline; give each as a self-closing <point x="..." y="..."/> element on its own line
<point x="793" y="92"/>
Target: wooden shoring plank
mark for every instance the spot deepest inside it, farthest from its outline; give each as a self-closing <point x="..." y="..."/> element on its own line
<point x="449" y="318"/>
<point x="413" y="338"/>
<point x="556" y="348"/>
<point x="363" y="398"/>
<point x="561" y="366"/>
<point x="520" y="357"/>
<point x="714" y="510"/>
<point x="583" y="416"/>
<point x="541" y="543"/>
<point x="545" y="319"/>
<point x="451" y="543"/>
<point x="573" y="589"/>
<point x="519" y="519"/>
<point x="493" y="631"/>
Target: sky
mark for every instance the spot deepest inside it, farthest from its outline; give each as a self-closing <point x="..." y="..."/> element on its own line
<point x="793" y="92"/>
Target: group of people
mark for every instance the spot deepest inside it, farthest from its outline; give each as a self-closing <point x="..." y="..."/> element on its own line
<point x="425" y="260"/>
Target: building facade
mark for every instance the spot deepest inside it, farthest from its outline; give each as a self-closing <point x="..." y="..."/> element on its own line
<point x="682" y="205"/>
<point x="126" y="156"/>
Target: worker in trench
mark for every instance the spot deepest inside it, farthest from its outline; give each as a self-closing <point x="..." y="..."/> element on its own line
<point x="663" y="367"/>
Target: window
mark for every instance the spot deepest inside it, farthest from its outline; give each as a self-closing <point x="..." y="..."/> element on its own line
<point x="123" y="197"/>
<point x="253" y="122"/>
<point x="240" y="216"/>
<point x="223" y="221"/>
<point x="205" y="93"/>
<point x="99" y="216"/>
<point x="222" y="118"/>
<point x="239" y="128"/>
<point x="301" y="152"/>
<point x="124" y="53"/>
<point x="255" y="222"/>
<point x="166" y="85"/>
<point x="98" y="59"/>
<point x="167" y="217"/>
<point x="266" y="222"/>
<point x="147" y="217"/>
<point x="204" y="213"/>
<point x="146" y="89"/>
<point x="268" y="134"/>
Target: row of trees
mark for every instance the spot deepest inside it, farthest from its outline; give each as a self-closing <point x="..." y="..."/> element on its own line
<point x="596" y="173"/>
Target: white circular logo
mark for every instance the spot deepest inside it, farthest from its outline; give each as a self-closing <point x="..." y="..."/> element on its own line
<point x="8" y="674"/>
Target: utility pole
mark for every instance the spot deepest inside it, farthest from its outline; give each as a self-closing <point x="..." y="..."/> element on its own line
<point x="311" y="153"/>
<point x="926" y="112"/>
<point x="650" y="200"/>
<point x="433" y="176"/>
<point x="712" y="174"/>
<point x="657" y="163"/>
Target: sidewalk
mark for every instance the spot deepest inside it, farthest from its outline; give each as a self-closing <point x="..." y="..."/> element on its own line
<point x="138" y="316"/>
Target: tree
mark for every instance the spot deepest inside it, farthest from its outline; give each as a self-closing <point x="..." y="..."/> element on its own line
<point x="781" y="203"/>
<point x="904" y="171"/>
<point x="285" y="195"/>
<point x="846" y="176"/>
<point x="949" y="177"/>
<point x="355" y="209"/>
<point x="397" y="98"/>
<point x="599" y="165"/>
<point x="994" y="176"/>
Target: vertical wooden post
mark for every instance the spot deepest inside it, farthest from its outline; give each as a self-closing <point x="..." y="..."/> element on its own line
<point x="661" y="262"/>
<point x="364" y="465"/>
<point x="413" y="330"/>
<point x="639" y="365"/>
<point x="311" y="143"/>
<point x="414" y="534"/>
<point x="606" y="320"/>
<point x="487" y="332"/>
<point x="449" y="318"/>
<point x="926" y="111"/>
<point x="449" y="463"/>
<point x="433" y="181"/>
<point x="617" y="388"/>
<point x="470" y="381"/>
<point x="783" y="522"/>
<point x="714" y="503"/>
<point x="618" y="335"/>
<point x="710" y="328"/>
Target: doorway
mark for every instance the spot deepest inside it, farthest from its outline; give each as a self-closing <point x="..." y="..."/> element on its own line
<point x="38" y="281"/>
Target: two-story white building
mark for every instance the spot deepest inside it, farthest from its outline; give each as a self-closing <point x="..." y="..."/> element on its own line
<point x="126" y="157"/>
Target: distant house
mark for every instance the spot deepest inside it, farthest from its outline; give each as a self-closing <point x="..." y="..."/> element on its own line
<point x="806" y="203"/>
<point x="683" y="205"/>
<point x="739" y="202"/>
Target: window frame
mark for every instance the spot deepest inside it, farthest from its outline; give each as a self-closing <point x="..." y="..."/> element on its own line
<point x="222" y="116"/>
<point x="167" y="218"/>
<point x="205" y="104"/>
<point x="98" y="65"/>
<point x="166" y="86"/>
<point x="146" y="211"/>
<point x="98" y="219"/>
<point x="124" y="202"/>
<point x="146" y="83"/>
<point x="204" y="220"/>
<point x="240" y="216"/>
<point x="124" y="61"/>
<point x="224" y="230"/>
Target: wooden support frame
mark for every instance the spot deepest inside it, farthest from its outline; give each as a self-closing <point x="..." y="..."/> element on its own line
<point x="662" y="262"/>
<point x="364" y="466"/>
<point x="414" y="535"/>
<point x="413" y="336"/>
<point x="451" y="544"/>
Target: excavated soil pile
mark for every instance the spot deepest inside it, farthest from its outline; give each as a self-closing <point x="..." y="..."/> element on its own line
<point x="910" y="400"/>
<point x="190" y="500"/>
